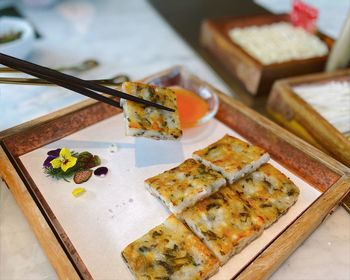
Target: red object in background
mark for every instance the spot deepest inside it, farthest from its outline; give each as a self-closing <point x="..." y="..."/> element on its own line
<point x="304" y="16"/>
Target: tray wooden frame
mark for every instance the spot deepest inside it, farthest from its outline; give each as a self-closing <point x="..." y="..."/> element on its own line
<point x="255" y="77"/>
<point x="317" y="168"/>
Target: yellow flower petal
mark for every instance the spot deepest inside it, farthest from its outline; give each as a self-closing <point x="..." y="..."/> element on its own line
<point x="56" y="163"/>
<point x="69" y="162"/>
<point x="65" y="153"/>
<point x="78" y="192"/>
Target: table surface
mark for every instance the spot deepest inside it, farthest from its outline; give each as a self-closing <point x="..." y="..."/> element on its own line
<point x="125" y="37"/>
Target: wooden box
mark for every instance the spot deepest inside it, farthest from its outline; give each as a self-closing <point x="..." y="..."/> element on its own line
<point x="321" y="172"/>
<point x="292" y="112"/>
<point x="254" y="76"/>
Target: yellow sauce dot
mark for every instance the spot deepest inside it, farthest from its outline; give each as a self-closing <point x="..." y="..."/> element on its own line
<point x="78" y="192"/>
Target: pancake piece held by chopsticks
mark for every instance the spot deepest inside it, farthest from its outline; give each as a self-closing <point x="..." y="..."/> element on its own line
<point x="170" y="251"/>
<point x="232" y="157"/>
<point x="184" y="185"/>
<point x="148" y="121"/>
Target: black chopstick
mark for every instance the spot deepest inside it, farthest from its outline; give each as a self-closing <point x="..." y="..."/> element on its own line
<point x="66" y="81"/>
<point x="81" y="90"/>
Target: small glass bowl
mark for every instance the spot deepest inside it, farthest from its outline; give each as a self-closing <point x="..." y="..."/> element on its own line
<point x="179" y="77"/>
<point x="210" y="100"/>
<point x="213" y="104"/>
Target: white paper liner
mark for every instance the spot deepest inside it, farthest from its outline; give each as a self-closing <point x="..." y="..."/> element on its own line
<point x="117" y="209"/>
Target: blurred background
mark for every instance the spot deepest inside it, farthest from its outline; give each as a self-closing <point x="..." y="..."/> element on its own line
<point x="127" y="37"/>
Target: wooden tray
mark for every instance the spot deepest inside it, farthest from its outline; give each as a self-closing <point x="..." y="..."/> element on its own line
<point x="314" y="167"/>
<point x="291" y="111"/>
<point x="254" y="76"/>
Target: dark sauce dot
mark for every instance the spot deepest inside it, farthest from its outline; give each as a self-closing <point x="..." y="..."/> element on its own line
<point x="101" y="171"/>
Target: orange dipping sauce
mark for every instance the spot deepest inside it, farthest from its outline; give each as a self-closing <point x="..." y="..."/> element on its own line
<point x="191" y="106"/>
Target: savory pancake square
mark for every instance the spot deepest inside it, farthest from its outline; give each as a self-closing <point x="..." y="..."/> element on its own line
<point x="170" y="251"/>
<point x="232" y="157"/>
<point x="148" y="121"/>
<point x="184" y="185"/>
<point x="268" y="191"/>
<point x="224" y="222"/>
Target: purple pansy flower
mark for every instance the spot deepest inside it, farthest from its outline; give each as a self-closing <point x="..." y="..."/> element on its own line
<point x="51" y="155"/>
